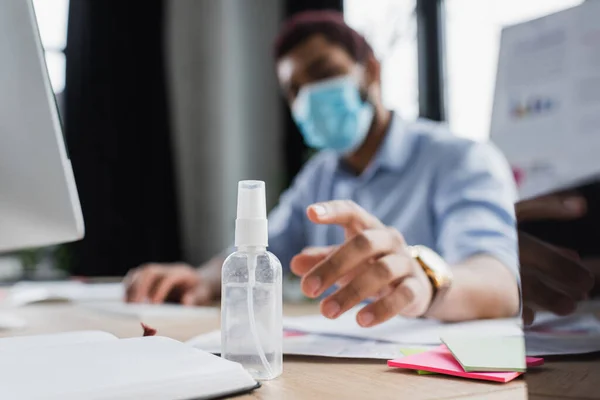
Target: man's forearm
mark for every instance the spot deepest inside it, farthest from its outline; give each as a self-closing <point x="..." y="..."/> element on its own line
<point x="482" y="288"/>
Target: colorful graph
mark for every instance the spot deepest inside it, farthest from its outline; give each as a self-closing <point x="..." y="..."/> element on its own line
<point x="531" y="107"/>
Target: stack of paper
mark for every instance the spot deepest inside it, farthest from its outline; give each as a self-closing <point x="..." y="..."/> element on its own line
<point x="549" y="335"/>
<point x="410" y="352"/>
<point x="442" y="361"/>
<point x="316" y="335"/>
<point x="306" y="344"/>
<point x="493" y="358"/>
<point x="553" y="335"/>
<point x="401" y="330"/>
<point x="477" y="357"/>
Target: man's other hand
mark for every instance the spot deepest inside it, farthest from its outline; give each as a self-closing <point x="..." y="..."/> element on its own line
<point x="552" y="278"/>
<point x="156" y="283"/>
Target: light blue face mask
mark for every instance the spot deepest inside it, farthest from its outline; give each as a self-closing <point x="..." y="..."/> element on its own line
<point x="331" y="115"/>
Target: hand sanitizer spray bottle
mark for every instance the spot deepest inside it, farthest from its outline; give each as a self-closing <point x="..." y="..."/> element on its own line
<point x="251" y="296"/>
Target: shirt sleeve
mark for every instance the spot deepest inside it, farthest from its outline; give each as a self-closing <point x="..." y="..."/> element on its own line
<point x="474" y="206"/>
<point x="287" y="222"/>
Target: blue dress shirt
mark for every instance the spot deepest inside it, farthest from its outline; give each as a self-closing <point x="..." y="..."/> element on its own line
<point x="451" y="194"/>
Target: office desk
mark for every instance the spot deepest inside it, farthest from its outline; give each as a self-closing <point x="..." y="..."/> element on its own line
<point x="566" y="377"/>
<point x="303" y="377"/>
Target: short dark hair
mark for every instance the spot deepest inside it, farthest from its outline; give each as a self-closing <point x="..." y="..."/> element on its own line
<point x="330" y="24"/>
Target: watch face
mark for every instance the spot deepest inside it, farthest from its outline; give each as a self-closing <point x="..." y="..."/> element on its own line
<point x="439" y="270"/>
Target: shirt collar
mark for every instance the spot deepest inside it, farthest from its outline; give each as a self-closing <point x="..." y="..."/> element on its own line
<point x="394" y="152"/>
<point x="397" y="146"/>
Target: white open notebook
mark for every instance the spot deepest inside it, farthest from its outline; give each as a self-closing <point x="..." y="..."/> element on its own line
<point x="97" y="365"/>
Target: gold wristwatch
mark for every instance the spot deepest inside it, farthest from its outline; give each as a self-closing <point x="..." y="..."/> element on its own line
<point x="437" y="270"/>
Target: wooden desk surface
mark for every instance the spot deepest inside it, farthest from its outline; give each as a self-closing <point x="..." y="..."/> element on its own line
<point x="566" y="377"/>
<point x="303" y="377"/>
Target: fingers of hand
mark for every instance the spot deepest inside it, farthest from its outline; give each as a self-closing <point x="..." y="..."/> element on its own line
<point x="345" y="213"/>
<point x="163" y="285"/>
<point x="352" y="254"/>
<point x="140" y="282"/>
<point x="566" y="273"/>
<point x="318" y="250"/>
<point x="560" y="207"/>
<point x="308" y="258"/>
<point x="403" y="300"/>
<point x="375" y="278"/>
<point x="568" y="253"/>
<point x="155" y="282"/>
<point x="538" y="294"/>
<point x="199" y="295"/>
<point x="128" y="284"/>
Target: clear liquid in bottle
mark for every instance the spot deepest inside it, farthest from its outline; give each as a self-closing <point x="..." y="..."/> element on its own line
<point x="251" y="320"/>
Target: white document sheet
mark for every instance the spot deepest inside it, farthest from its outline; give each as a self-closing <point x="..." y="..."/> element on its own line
<point x="553" y="335"/>
<point x="546" y="114"/>
<point x="318" y="346"/>
<point x="549" y="335"/>
<point x="406" y="331"/>
<point x="20" y="343"/>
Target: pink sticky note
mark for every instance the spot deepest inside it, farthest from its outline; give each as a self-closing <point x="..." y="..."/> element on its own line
<point x="534" y="361"/>
<point x="287" y="334"/>
<point x="518" y="175"/>
<point x="440" y="360"/>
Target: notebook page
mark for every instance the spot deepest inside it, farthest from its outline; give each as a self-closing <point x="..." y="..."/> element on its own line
<point x="147" y="367"/>
<point x="21" y="343"/>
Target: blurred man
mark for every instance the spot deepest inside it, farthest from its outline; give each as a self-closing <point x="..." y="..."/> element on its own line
<point x="401" y="183"/>
<point x="553" y="278"/>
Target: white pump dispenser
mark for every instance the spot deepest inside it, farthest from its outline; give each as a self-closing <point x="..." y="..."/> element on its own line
<point x="251" y="225"/>
<point x="251" y="296"/>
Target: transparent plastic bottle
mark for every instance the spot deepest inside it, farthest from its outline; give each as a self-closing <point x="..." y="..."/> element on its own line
<point x="251" y="297"/>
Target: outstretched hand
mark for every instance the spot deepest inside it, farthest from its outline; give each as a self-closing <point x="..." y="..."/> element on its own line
<point x="373" y="263"/>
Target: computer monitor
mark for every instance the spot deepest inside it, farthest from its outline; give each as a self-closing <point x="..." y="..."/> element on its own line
<point x="39" y="204"/>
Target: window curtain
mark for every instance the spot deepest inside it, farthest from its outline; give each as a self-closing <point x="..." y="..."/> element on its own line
<point x="118" y="135"/>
